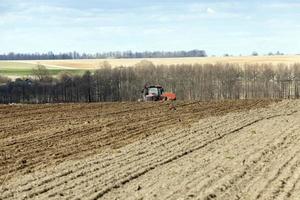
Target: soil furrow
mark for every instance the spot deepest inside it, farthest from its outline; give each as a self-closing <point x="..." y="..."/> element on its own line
<point x="203" y="150"/>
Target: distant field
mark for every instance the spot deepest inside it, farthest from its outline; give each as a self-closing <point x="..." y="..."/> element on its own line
<point x="15" y="69"/>
<point x="94" y="63"/>
<point x="27" y="72"/>
<point x="23" y="68"/>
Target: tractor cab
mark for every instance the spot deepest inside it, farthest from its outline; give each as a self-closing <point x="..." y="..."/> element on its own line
<point x="155" y="90"/>
<point x="157" y="93"/>
<point x="153" y="93"/>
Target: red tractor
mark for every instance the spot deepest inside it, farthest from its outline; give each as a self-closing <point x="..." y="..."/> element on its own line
<point x="157" y="93"/>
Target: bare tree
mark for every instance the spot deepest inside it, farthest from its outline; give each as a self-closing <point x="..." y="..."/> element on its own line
<point x="189" y="82"/>
<point x="4" y="80"/>
<point x="41" y="73"/>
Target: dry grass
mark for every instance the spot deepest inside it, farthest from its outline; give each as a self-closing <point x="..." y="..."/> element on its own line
<point x="94" y="63"/>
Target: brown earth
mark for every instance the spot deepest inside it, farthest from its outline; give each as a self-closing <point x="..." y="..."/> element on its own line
<point x="35" y="136"/>
<point x="146" y="151"/>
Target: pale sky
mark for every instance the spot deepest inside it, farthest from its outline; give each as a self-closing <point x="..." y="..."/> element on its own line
<point x="219" y="27"/>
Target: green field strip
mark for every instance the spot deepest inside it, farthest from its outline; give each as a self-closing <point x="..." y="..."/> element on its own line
<point x="28" y="72"/>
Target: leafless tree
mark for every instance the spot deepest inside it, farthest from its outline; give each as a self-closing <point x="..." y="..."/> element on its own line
<point x="189" y="82"/>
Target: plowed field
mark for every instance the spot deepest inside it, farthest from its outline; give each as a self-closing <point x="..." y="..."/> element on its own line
<point x="202" y="150"/>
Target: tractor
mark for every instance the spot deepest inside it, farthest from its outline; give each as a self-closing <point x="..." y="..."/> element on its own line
<point x="157" y="93"/>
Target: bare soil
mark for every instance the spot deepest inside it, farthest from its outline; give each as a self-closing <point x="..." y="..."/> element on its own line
<point x="203" y="150"/>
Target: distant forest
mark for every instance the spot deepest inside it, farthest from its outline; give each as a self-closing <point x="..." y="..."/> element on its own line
<point x="189" y="82"/>
<point x="116" y="54"/>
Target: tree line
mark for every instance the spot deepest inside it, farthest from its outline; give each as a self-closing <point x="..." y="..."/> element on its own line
<point x="116" y="54"/>
<point x="189" y="82"/>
